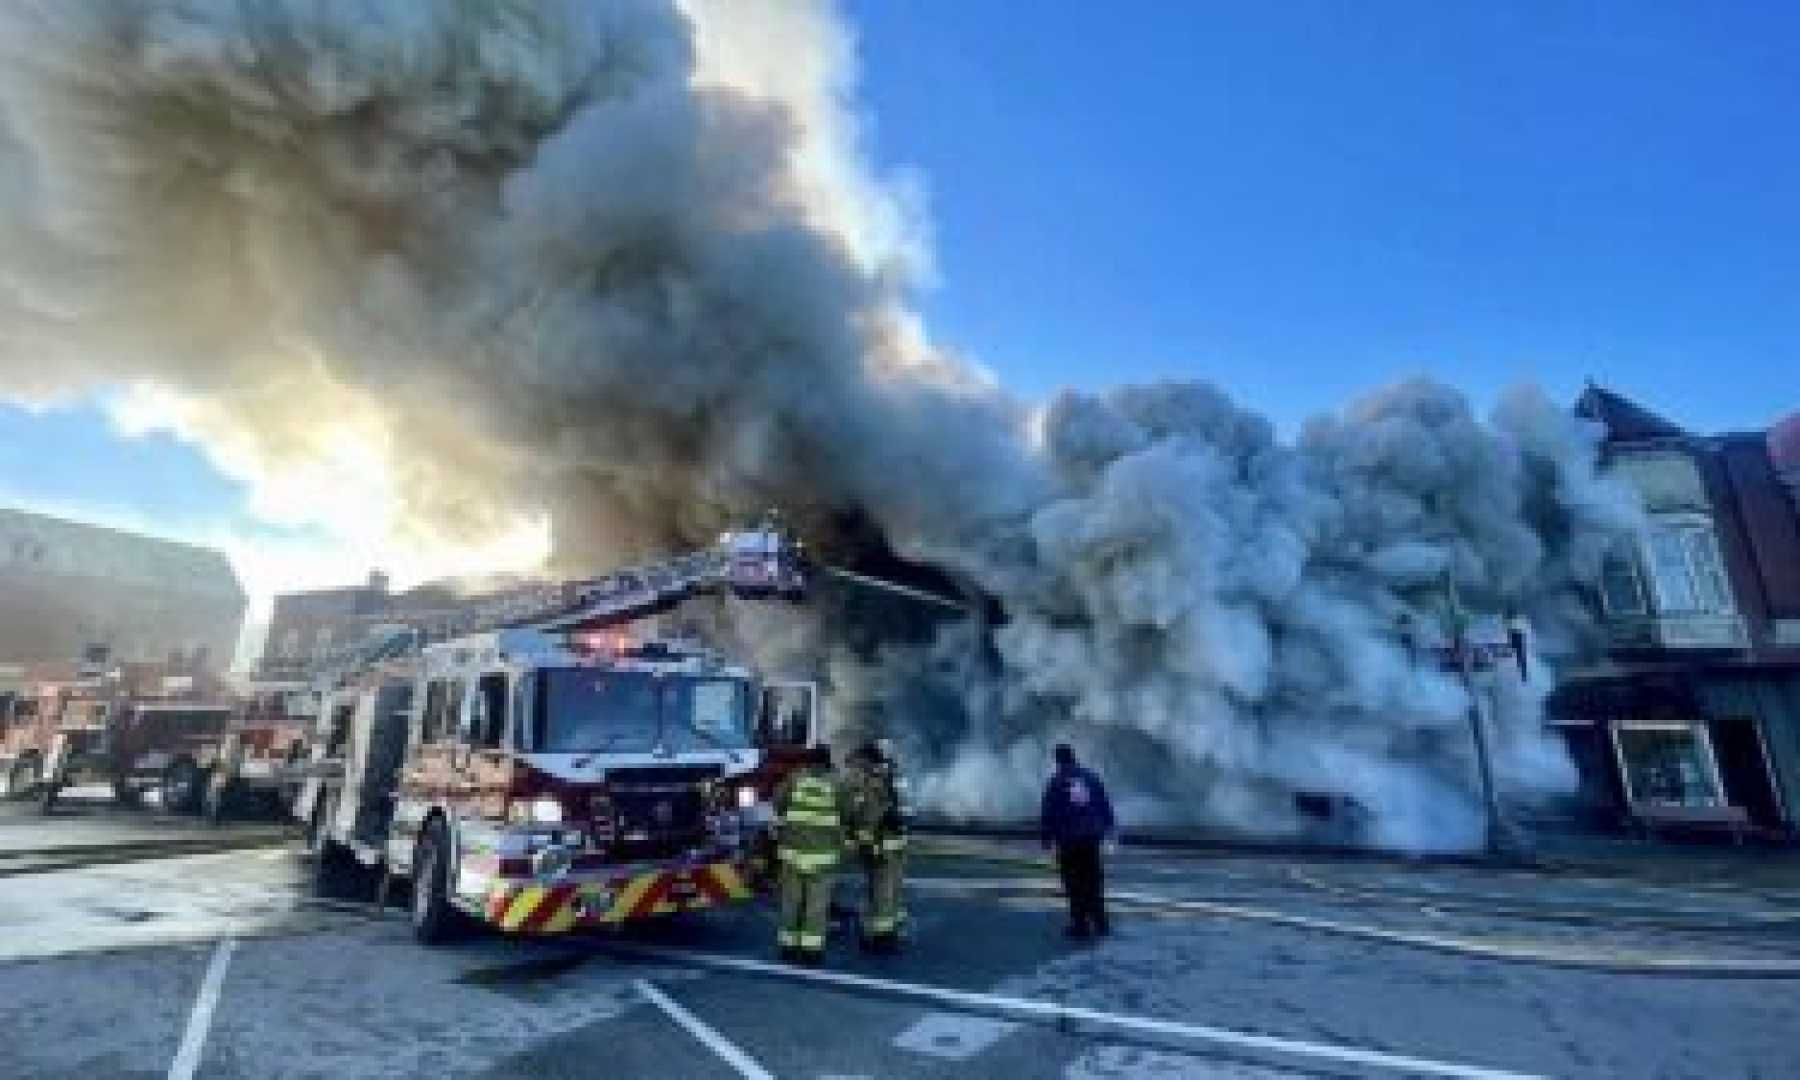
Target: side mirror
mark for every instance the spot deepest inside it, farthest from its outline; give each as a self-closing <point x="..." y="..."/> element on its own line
<point x="788" y="717"/>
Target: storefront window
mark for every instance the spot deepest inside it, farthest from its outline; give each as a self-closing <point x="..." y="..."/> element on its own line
<point x="1669" y="766"/>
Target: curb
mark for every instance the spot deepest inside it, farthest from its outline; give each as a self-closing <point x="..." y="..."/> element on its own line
<point x="1778" y="921"/>
<point x="1620" y="964"/>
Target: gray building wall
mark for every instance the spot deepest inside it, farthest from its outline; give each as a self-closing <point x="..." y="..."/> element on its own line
<point x="65" y="585"/>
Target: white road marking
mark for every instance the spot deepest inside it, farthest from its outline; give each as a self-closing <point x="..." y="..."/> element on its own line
<point x="693" y="1025"/>
<point x="1045" y="1010"/>
<point x="193" y="1043"/>
<point x="1110" y="1062"/>
<point x="953" y="1036"/>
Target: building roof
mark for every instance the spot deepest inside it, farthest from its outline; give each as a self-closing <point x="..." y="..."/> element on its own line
<point x="38" y="544"/>
<point x="1625" y="420"/>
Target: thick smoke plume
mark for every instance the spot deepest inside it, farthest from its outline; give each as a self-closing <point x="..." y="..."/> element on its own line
<point x="454" y="271"/>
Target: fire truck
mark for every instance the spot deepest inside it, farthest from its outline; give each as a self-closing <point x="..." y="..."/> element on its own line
<point x="257" y="757"/>
<point x="133" y="727"/>
<point x="541" y="769"/>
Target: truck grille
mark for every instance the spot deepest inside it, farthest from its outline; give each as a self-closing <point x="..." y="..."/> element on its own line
<point x="652" y="816"/>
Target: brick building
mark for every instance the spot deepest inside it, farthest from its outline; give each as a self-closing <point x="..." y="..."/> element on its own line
<point x="305" y="627"/>
<point x="1692" y="719"/>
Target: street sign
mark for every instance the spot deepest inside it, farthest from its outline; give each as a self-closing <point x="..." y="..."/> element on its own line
<point x="1482" y="655"/>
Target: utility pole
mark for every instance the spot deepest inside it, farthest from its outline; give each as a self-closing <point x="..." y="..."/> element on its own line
<point x="1498" y="839"/>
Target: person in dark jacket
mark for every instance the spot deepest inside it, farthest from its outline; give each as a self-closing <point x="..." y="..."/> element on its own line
<point x="1077" y="819"/>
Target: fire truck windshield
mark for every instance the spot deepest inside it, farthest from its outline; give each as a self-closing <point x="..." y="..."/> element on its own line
<point x="585" y="711"/>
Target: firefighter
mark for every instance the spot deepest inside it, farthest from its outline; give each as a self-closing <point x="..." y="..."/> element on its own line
<point x="878" y="840"/>
<point x="809" y="838"/>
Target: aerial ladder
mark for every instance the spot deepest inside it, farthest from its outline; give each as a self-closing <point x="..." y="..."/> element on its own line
<point x="763" y="562"/>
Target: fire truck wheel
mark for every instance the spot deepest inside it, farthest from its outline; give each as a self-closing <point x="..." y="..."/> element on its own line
<point x="182" y="782"/>
<point x="217" y="800"/>
<point x="315" y="827"/>
<point x="19" y="778"/>
<point x="434" y="921"/>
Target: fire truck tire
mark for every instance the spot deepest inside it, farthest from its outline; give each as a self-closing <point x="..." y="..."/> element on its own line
<point x="182" y="784"/>
<point x="218" y="799"/>
<point x="434" y="921"/>
<point x="333" y="867"/>
<point x="126" y="795"/>
<point x="20" y="777"/>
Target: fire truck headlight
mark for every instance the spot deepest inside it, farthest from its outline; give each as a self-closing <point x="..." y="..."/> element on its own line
<point x="541" y="811"/>
<point x="552" y="862"/>
<point x="746" y="797"/>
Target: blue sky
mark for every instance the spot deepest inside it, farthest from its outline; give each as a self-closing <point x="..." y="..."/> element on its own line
<point x="1299" y="201"/>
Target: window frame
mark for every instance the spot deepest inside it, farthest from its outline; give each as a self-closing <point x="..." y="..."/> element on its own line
<point x="487" y="731"/>
<point x="1706" y="578"/>
<point x="1698" y="733"/>
<point x="1624" y="559"/>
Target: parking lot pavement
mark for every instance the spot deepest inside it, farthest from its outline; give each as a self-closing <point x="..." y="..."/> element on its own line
<point x="988" y="988"/>
<point x="87" y="818"/>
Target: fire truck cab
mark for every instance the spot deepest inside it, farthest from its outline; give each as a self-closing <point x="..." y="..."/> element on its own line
<point x="134" y="727"/>
<point x="546" y="781"/>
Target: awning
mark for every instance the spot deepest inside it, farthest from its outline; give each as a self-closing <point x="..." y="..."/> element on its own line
<point x="1606" y="701"/>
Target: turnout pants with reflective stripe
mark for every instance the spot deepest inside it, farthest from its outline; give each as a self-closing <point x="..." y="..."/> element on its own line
<point x="884" y="911"/>
<point x="805" y="908"/>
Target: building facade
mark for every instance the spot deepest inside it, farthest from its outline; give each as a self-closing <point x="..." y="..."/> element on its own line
<point x="1692" y="720"/>
<point x="305" y="628"/>
<point x="66" y="587"/>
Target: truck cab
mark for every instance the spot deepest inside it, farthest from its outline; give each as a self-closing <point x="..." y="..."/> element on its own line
<point x="134" y="729"/>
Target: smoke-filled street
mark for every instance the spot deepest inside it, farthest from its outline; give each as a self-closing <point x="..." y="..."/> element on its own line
<point x="844" y="540"/>
<point x="559" y="286"/>
<point x="1241" y="966"/>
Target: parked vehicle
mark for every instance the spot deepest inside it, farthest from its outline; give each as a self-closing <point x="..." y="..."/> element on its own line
<point x="255" y="765"/>
<point x="539" y="783"/>
<point x="133" y="727"/>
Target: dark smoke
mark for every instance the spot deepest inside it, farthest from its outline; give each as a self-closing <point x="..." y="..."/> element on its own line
<point x="434" y="273"/>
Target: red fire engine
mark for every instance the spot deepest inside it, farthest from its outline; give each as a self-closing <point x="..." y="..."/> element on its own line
<point x="134" y="727"/>
<point x="549" y="773"/>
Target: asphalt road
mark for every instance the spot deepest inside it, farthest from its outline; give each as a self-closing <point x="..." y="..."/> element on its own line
<point x="126" y="950"/>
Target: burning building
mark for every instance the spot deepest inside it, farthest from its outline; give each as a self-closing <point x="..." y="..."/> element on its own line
<point x="455" y="272"/>
<point x="1691" y="720"/>
<point x="66" y="587"/>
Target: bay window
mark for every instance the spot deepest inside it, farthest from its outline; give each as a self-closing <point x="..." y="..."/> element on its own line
<point x="1686" y="571"/>
<point x="1673" y="568"/>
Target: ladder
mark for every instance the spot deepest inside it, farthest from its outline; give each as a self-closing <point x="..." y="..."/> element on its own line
<point x="760" y="562"/>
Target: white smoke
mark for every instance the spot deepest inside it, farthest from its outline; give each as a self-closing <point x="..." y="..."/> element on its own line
<point x="499" y="276"/>
<point x="1220" y="614"/>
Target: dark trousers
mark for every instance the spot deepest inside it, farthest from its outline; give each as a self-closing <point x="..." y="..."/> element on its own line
<point x="1084" y="882"/>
